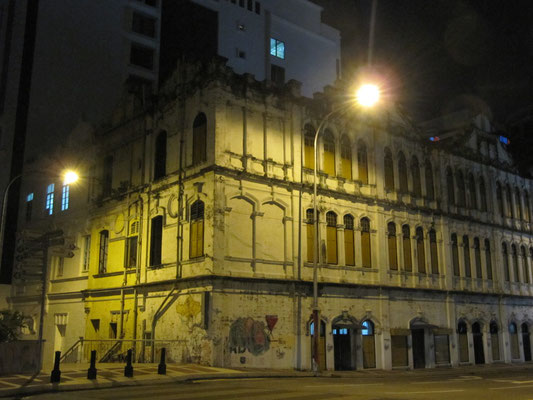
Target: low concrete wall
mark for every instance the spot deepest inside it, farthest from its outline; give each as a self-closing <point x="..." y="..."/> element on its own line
<point x="19" y="357"/>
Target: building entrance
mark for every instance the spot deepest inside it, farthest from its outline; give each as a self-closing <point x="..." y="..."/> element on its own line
<point x="342" y="346"/>
<point x="479" y="354"/>
<point x="526" y="342"/>
<point x="419" y="351"/>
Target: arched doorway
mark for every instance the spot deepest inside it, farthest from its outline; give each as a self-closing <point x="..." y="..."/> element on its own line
<point x="418" y="343"/>
<point x="321" y="344"/>
<point x="463" y="341"/>
<point x="479" y="354"/>
<point x="513" y="338"/>
<point x="344" y="328"/>
<point x="494" y="341"/>
<point x="369" y="344"/>
<point x="526" y="342"/>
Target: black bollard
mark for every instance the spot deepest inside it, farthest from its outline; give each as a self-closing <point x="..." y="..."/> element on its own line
<point x="55" y="376"/>
<point x="91" y="372"/>
<point x="162" y="368"/>
<point x="128" y="369"/>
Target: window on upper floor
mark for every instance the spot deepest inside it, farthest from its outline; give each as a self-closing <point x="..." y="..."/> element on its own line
<point x="505" y="259"/>
<point x="430" y="189"/>
<point x="518" y="198"/>
<point x="482" y="195"/>
<point x="50" y="198"/>
<point x="461" y="196"/>
<point x="450" y="187"/>
<point x="349" y="248"/>
<point x="455" y="256"/>
<point x="389" y="169"/>
<point x="472" y="197"/>
<point x="509" y="198"/>
<point x="329" y="153"/>
<point x="391" y="244"/>
<point x="415" y="173"/>
<point x="102" y="253"/>
<point x="488" y="259"/>
<point x="160" y="156"/>
<point x="29" y="206"/>
<point x="466" y="254"/>
<point x="331" y="237"/>
<point x="309" y="146"/>
<point x="142" y="56"/>
<point x="346" y="157"/>
<point x="196" y="240"/>
<point x="65" y="197"/>
<point x="86" y="253"/>
<point x="107" y="176"/>
<point x="143" y="24"/>
<point x="277" y="48"/>
<point x="310" y="224"/>
<point x="362" y="162"/>
<point x="199" y="139"/>
<point x="527" y="212"/>
<point x="366" y="249"/>
<point x="156" y="240"/>
<point x="420" y="250"/>
<point x="433" y="251"/>
<point x="277" y="75"/>
<point x="477" y="258"/>
<point x="514" y="257"/>
<point x="132" y="244"/>
<point x="406" y="246"/>
<point x="525" y="268"/>
<point x="499" y="199"/>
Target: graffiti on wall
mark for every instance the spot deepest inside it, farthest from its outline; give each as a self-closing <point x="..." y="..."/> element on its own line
<point x="248" y="334"/>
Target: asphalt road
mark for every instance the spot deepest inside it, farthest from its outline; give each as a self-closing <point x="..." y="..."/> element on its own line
<point x="486" y="385"/>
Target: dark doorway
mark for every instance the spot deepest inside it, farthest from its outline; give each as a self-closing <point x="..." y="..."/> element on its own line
<point x="479" y="355"/>
<point x="342" y="346"/>
<point x="526" y="342"/>
<point x="419" y="352"/>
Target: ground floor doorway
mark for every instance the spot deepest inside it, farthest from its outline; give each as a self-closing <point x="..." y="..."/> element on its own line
<point x="419" y="348"/>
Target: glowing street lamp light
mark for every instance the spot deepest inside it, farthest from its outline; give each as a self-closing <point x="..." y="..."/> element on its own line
<point x="367" y="95"/>
<point x="70" y="177"/>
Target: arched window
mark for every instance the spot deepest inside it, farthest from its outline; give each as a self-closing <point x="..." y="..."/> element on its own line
<point x="455" y="256"/>
<point x="369" y="344"/>
<point x="450" y="186"/>
<point x="518" y="198"/>
<point x="389" y="170"/>
<point x="513" y="336"/>
<point x="346" y="157"/>
<point x="527" y="212"/>
<point x="525" y="269"/>
<point x="102" y="253"/>
<point x="415" y="173"/>
<point x="160" y="157"/>
<point x="156" y="240"/>
<point x="199" y="139"/>
<point x="499" y="199"/>
<point x="505" y="257"/>
<point x="402" y="172"/>
<point x="420" y="250"/>
<point x="365" y="243"/>
<point x="309" y="146"/>
<point x="331" y="235"/>
<point x="477" y="258"/>
<point x="196" y="243"/>
<point x="494" y="341"/>
<point x="472" y="197"/>
<point x="460" y="189"/>
<point x="434" y="252"/>
<point x="488" y="259"/>
<point x="406" y="245"/>
<point x="482" y="195"/>
<point x="329" y="153"/>
<point x="463" y="341"/>
<point x="349" y="250"/>
<point x="362" y="162"/>
<point x="393" y="251"/>
<point x="430" y="189"/>
<point x="466" y="254"/>
<point x="310" y="222"/>
<point x="509" y="199"/>
<point x="514" y="256"/>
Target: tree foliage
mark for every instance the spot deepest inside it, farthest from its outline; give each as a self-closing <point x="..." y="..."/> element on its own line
<point x="11" y="323"/>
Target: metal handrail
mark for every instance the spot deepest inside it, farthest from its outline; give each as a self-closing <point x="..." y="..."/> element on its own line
<point x="71" y="349"/>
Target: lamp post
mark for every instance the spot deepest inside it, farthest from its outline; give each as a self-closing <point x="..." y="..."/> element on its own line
<point x="366" y="96"/>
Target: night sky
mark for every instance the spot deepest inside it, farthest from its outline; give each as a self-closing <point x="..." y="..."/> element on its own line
<point x="443" y="55"/>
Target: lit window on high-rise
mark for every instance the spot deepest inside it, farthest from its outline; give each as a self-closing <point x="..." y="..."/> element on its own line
<point x="50" y="198"/>
<point x="65" y="197"/>
<point x="277" y="48"/>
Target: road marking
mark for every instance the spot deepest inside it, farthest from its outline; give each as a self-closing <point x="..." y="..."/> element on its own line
<point x="511" y="387"/>
<point x="510" y="381"/>
<point x="428" y="391"/>
<point x="427" y="382"/>
<point x="467" y="378"/>
<point x="226" y="380"/>
<point x="345" y="384"/>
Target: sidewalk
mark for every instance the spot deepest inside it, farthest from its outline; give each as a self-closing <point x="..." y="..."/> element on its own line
<point x="74" y="376"/>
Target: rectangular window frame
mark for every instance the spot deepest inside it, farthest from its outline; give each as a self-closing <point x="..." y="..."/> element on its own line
<point x="277" y="48"/>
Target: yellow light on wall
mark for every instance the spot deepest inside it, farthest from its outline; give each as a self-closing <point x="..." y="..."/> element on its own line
<point x="70" y="177"/>
<point x="367" y="95"/>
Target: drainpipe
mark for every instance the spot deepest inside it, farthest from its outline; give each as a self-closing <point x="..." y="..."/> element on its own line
<point x="156" y="318"/>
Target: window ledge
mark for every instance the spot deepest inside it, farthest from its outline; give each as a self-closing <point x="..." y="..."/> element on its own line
<point x="116" y="273"/>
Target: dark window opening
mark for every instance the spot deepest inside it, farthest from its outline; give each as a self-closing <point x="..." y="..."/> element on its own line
<point x="142" y="56"/>
<point x="199" y="139"/>
<point x="143" y="25"/>
<point x="277" y="75"/>
<point x="160" y="160"/>
<point x="156" y="240"/>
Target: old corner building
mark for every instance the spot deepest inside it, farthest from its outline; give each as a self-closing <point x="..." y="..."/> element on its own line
<point x="194" y="232"/>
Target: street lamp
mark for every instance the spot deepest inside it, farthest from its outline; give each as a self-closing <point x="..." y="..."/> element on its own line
<point x="366" y="96"/>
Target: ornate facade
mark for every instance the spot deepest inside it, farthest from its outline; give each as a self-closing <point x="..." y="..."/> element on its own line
<point x="199" y="236"/>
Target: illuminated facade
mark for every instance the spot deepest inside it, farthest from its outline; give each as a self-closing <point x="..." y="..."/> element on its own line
<point x="199" y="234"/>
